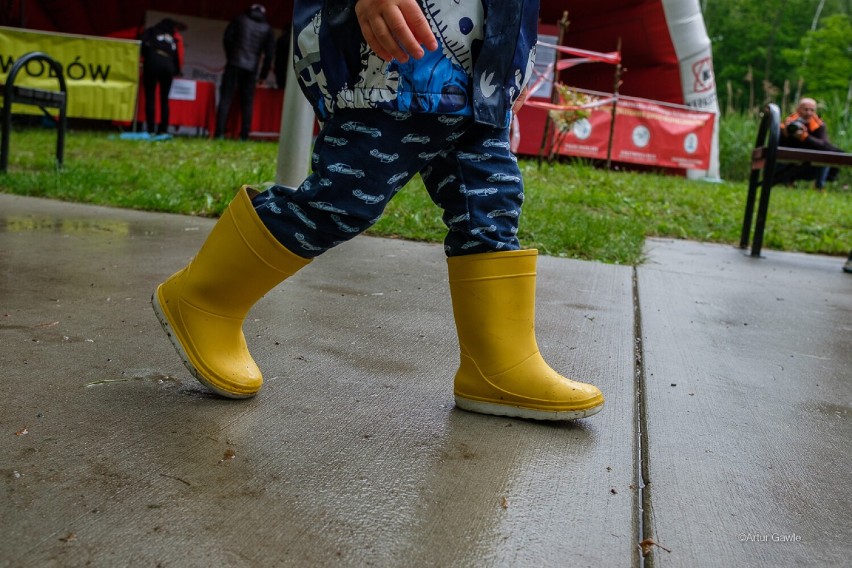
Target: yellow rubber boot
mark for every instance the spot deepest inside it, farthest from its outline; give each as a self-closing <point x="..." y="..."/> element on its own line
<point x="203" y="306"/>
<point x="502" y="371"/>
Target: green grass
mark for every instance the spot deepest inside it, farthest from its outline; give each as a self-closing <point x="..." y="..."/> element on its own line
<point x="571" y="210"/>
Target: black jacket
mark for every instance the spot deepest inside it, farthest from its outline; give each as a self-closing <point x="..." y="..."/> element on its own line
<point x="247" y="37"/>
<point x="159" y="47"/>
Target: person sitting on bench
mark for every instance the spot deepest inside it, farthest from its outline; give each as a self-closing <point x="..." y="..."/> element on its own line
<point x="805" y="130"/>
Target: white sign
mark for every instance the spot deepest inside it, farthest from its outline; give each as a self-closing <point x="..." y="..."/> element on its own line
<point x="182" y="90"/>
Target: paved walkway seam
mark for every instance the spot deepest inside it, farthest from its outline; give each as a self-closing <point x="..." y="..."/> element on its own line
<point x="642" y="494"/>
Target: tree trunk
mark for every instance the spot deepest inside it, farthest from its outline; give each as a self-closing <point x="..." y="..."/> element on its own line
<point x="771" y="46"/>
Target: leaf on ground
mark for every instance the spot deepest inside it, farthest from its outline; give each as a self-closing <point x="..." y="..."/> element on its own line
<point x="649" y="543"/>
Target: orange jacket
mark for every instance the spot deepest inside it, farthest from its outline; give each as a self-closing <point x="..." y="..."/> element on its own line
<point x="814" y="125"/>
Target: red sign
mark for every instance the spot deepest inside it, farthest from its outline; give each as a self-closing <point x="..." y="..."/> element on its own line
<point x="646" y="132"/>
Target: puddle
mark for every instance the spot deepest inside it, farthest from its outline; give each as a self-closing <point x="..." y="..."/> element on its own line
<point x="64" y="226"/>
<point x="197" y="391"/>
<point x="830" y="409"/>
<point x="136" y="375"/>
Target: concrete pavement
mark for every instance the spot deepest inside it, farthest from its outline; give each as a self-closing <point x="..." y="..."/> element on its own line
<point x="725" y="438"/>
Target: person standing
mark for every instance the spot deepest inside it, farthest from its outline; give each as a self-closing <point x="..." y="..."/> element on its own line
<point x="249" y="43"/>
<point x="282" y="58"/>
<point x="161" y="62"/>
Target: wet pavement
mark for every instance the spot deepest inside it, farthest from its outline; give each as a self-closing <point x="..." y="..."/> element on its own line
<point x="725" y="439"/>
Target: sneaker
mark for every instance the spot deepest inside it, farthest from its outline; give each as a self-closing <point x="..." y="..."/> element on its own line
<point x="848" y="266"/>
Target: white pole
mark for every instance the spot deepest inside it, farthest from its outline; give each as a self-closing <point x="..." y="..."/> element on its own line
<point x="295" y="138"/>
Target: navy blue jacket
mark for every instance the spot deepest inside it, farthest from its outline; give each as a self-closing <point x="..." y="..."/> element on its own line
<point x="484" y="59"/>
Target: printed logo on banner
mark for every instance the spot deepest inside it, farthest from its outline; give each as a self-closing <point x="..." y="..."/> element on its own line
<point x="582" y="129"/>
<point x="702" y="70"/>
<point x="690" y="143"/>
<point x="641" y="136"/>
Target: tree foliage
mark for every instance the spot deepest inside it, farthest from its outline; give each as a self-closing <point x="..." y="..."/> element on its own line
<point x="824" y="56"/>
<point x="765" y="51"/>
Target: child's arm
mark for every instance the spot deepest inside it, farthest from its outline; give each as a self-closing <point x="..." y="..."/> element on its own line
<point x="522" y="98"/>
<point x="395" y="29"/>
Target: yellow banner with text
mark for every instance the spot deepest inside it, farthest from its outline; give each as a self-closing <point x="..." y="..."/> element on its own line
<point x="101" y="74"/>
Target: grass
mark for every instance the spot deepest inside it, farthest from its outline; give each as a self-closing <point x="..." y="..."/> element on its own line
<point x="571" y="210"/>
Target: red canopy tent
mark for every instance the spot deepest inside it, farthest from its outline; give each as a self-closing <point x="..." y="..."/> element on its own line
<point x="102" y="17"/>
<point x="648" y="50"/>
<point x="664" y="46"/>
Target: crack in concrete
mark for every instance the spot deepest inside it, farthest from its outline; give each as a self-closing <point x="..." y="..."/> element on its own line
<point x="642" y="495"/>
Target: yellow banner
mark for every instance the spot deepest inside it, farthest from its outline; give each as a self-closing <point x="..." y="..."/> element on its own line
<point x="101" y="74"/>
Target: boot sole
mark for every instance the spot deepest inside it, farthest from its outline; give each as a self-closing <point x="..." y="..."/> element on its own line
<point x="523" y="412"/>
<point x="167" y="327"/>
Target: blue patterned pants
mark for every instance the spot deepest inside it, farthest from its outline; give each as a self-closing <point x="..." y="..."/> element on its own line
<point x="362" y="158"/>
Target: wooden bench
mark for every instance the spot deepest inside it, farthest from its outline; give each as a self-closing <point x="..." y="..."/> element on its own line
<point x="42" y="98"/>
<point x="764" y="157"/>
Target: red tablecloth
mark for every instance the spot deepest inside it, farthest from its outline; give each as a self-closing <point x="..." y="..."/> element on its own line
<point x="201" y="112"/>
<point x="198" y="113"/>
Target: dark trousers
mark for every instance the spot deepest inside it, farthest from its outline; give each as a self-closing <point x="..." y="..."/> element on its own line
<point x="363" y="157"/>
<point x="155" y="74"/>
<point x="788" y="173"/>
<point x="235" y="79"/>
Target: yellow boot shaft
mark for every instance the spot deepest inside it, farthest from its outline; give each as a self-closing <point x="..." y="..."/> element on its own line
<point x="502" y="371"/>
<point x="202" y="307"/>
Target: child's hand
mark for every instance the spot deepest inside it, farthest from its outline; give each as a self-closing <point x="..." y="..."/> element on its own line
<point x="395" y="29"/>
